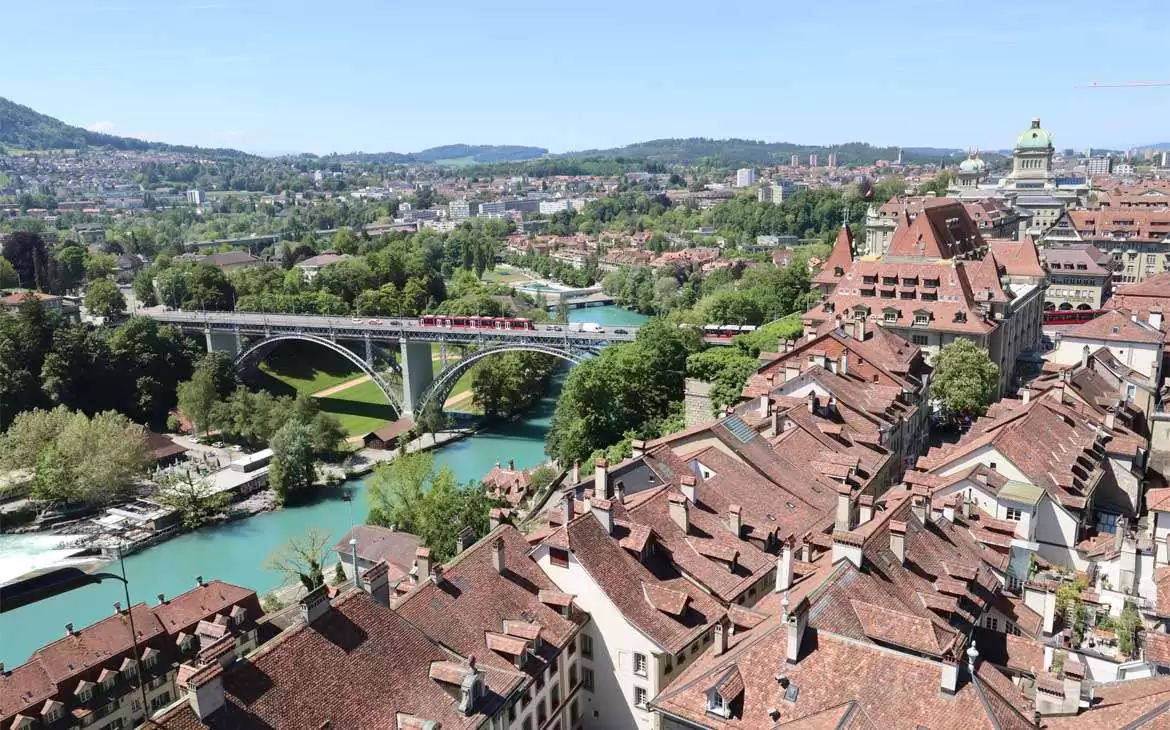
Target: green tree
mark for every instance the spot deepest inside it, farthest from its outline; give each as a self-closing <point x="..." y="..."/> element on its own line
<point x="99" y="265"/>
<point x="70" y="266"/>
<point x="192" y="496"/>
<point x="964" y="378"/>
<point x="8" y="277"/>
<point x="290" y="473"/>
<point x="103" y="299"/>
<point x="302" y="559"/>
<point x="432" y="420"/>
<point x="198" y="397"/>
<point x="726" y="369"/>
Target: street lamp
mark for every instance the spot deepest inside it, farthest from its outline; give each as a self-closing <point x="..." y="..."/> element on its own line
<point x="62" y="580"/>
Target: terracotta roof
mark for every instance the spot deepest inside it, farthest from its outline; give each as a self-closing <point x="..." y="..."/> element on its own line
<point x="375" y="544"/>
<point x="1116" y="325"/>
<point x="1132" y="703"/>
<point x="296" y="680"/>
<point x="944" y="230"/>
<point x="184" y="611"/>
<point x="1158" y="499"/>
<point x="1018" y="258"/>
<point x="666" y="600"/>
<point x="840" y="257"/>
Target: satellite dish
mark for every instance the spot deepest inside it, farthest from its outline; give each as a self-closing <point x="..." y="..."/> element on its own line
<point x="864" y="187"/>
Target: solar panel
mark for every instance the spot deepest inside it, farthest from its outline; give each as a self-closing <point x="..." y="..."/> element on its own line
<point x="739" y="429"/>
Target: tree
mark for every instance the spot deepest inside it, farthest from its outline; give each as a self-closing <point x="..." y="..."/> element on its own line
<point x="410" y="495"/>
<point x="8" y="277"/>
<point x="302" y="559"/>
<point x="197" y="398"/>
<point x="339" y="576"/>
<point x="964" y="378"/>
<point x="29" y="257"/>
<point x="103" y="299"/>
<point x="70" y="266"/>
<point x="290" y="472"/>
<point x="726" y="369"/>
<point x="431" y="419"/>
<point x="192" y="496"/>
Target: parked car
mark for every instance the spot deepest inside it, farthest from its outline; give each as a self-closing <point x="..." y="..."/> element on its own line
<point x="620" y="332"/>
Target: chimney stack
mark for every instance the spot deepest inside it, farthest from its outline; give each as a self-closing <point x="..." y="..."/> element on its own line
<point x="205" y="691"/>
<point x="69" y="629"/>
<point x="499" y="561"/>
<point x="117" y="607"/>
<point x="601" y="480"/>
<point x="784" y="565"/>
<point x="797" y="621"/>
<point x="678" y="511"/>
<point x="949" y="681"/>
<point x="898" y="540"/>
<point x="1110" y="419"/>
<point x="864" y="508"/>
<point x="920" y="504"/>
<point x="603" y="510"/>
<point x="1156" y="317"/>
<point x="720" y="639"/>
<point x="735" y="520"/>
<point x="568" y="505"/>
<point x="843" y="368"/>
<point x="315" y="604"/>
<point x="1026" y="394"/>
<point x="465" y="539"/>
<point x="1085" y="357"/>
<point x="422" y="564"/>
<point x="199" y="580"/>
<point x="619" y="491"/>
<point x="637" y="448"/>
<point x="860" y="329"/>
<point x="763" y="406"/>
<point x="498" y="516"/>
<point x="844" y="507"/>
<point x="812" y="402"/>
<point x="690" y="487"/>
<point x="511" y="465"/>
<point x="376" y="582"/>
<point x="162" y="598"/>
<point x="575" y="474"/>
<point x="810" y="330"/>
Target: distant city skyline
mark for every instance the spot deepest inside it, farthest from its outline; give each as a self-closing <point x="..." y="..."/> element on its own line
<point x="273" y="77"/>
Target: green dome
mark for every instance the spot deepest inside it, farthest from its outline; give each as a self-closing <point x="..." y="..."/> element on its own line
<point x="972" y="164"/>
<point x="1034" y="138"/>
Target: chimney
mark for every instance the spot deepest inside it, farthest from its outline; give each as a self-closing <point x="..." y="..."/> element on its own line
<point x="69" y="629"/>
<point x="637" y="448"/>
<point x="511" y="465"/>
<point x="735" y="520"/>
<point x="603" y="510"/>
<point x="575" y="474"/>
<point x="619" y="491"/>
<point x="199" y="580"/>
<point x="864" y="508"/>
<point x="1026" y="394"/>
<point x="1073" y="681"/>
<point x="465" y="539"/>
<point x="797" y="621"/>
<point x="847" y="546"/>
<point x="117" y="607"/>
<point x="949" y="682"/>
<point x="849" y="328"/>
<point x="843" y="368"/>
<point x="784" y="566"/>
<point x="315" y="604"/>
<point x="844" y="507"/>
<point x="775" y="422"/>
<point x="498" y="516"/>
<point x="162" y="599"/>
<point x="678" y="511"/>
<point x="898" y="540"/>
<point x="810" y="330"/>
<point x="920" y="504"/>
<point x="763" y="406"/>
<point x="568" y="504"/>
<point x="1111" y="419"/>
<point x="376" y="582"/>
<point x="437" y="574"/>
<point x="690" y="487"/>
<point x="860" y="329"/>
<point x="601" y="480"/>
<point x="791" y="372"/>
<point x="205" y="692"/>
<point x="1156" y="317"/>
<point x="422" y="564"/>
<point x="499" y="561"/>
<point x="812" y="402"/>
<point x="720" y="639"/>
<point x="1085" y="357"/>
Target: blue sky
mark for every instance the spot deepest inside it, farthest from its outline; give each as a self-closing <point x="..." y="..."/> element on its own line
<point x="376" y="75"/>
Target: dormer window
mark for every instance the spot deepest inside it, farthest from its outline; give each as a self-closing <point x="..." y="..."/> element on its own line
<point x="921" y="319"/>
<point x="890" y="315"/>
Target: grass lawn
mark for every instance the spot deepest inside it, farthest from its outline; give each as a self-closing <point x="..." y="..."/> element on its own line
<point x="504" y="274"/>
<point x="306" y="368"/>
<point x="360" y="408"/>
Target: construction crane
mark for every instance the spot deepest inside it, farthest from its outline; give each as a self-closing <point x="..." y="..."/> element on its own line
<point x="1120" y="84"/>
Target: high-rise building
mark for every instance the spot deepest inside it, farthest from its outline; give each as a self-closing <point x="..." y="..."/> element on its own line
<point x="832" y="159"/>
<point x="745" y="177"/>
<point x="814" y="160"/>
<point x="195" y="197"/>
<point x="1102" y="165"/>
<point x="458" y="210"/>
<point x="795" y="161"/>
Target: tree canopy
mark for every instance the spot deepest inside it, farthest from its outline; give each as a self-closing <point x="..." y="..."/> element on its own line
<point x="964" y="378"/>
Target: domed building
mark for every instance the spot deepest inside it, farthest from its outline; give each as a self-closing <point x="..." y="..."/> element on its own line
<point x="972" y="171"/>
<point x="1033" y="187"/>
<point x="1032" y="158"/>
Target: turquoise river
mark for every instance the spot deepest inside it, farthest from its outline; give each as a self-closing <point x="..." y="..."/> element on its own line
<point x="235" y="552"/>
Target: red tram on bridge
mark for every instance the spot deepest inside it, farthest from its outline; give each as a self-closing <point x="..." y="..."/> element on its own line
<point x="474" y="322"/>
<point x="1071" y="316"/>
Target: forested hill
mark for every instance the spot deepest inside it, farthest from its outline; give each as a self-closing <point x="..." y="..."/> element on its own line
<point x="736" y="152"/>
<point x="479" y="154"/>
<point x="25" y="128"/>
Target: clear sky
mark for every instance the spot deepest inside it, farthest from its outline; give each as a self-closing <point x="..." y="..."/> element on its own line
<point x="401" y="75"/>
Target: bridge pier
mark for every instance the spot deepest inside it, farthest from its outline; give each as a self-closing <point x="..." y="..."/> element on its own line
<point x="417" y="372"/>
<point x="219" y="341"/>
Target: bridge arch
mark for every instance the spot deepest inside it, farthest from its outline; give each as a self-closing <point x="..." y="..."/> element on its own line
<point x="440" y="388"/>
<point x="261" y="347"/>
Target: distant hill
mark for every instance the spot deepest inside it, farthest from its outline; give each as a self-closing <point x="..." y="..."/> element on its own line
<point x="25" y="128"/>
<point x="451" y="154"/>
<point x="737" y="152"/>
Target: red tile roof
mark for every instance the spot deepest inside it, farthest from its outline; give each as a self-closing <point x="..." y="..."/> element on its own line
<point x="1115" y="325"/>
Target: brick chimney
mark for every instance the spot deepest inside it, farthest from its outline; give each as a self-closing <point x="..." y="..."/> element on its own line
<point x="315" y="604"/>
<point x="813" y="402"/>
<point x="720" y="639"/>
<point x="575" y="474"/>
<point x="568" y="505"/>
<point x="1073" y="681"/>
<point x="498" y="516"/>
<point x="810" y="330"/>
<point x="499" y="561"/>
<point x="678" y="512"/>
<point x="1085" y="357"/>
<point x="735" y="520"/>
<point x="602" y="509"/>
<point x="797" y="622"/>
<point x="376" y="582"/>
<point x="791" y="372"/>
<point x="898" y="540"/>
<point x="784" y="565"/>
<point x="690" y="487"/>
<point x="205" y="691"/>
<point x="844" y="519"/>
<point x="637" y="448"/>
<point x="422" y="564"/>
<point x="601" y="479"/>
<point x="843" y="367"/>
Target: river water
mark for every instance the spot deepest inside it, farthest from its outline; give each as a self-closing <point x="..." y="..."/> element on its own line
<point x="235" y="552"/>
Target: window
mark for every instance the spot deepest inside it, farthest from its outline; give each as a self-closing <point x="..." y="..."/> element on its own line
<point x="587" y="646"/>
<point x="512" y="713"/>
<point x="640" y="664"/>
<point x="640" y="697"/>
<point x="527" y="724"/>
<point x="668" y="664"/>
<point x="1014" y="514"/>
<point x="573" y="646"/>
<point x="587" y="678"/>
<point x="694" y="648"/>
<point x="558" y="557"/>
<point x="919" y="339"/>
<point x="992" y="623"/>
<point x="526" y="698"/>
<point x="574" y="711"/>
<point x="922" y="318"/>
<point x="572" y="675"/>
<point x="539" y="683"/>
<point x="554" y="700"/>
<point x="541" y="713"/>
<point x="891" y="315"/>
